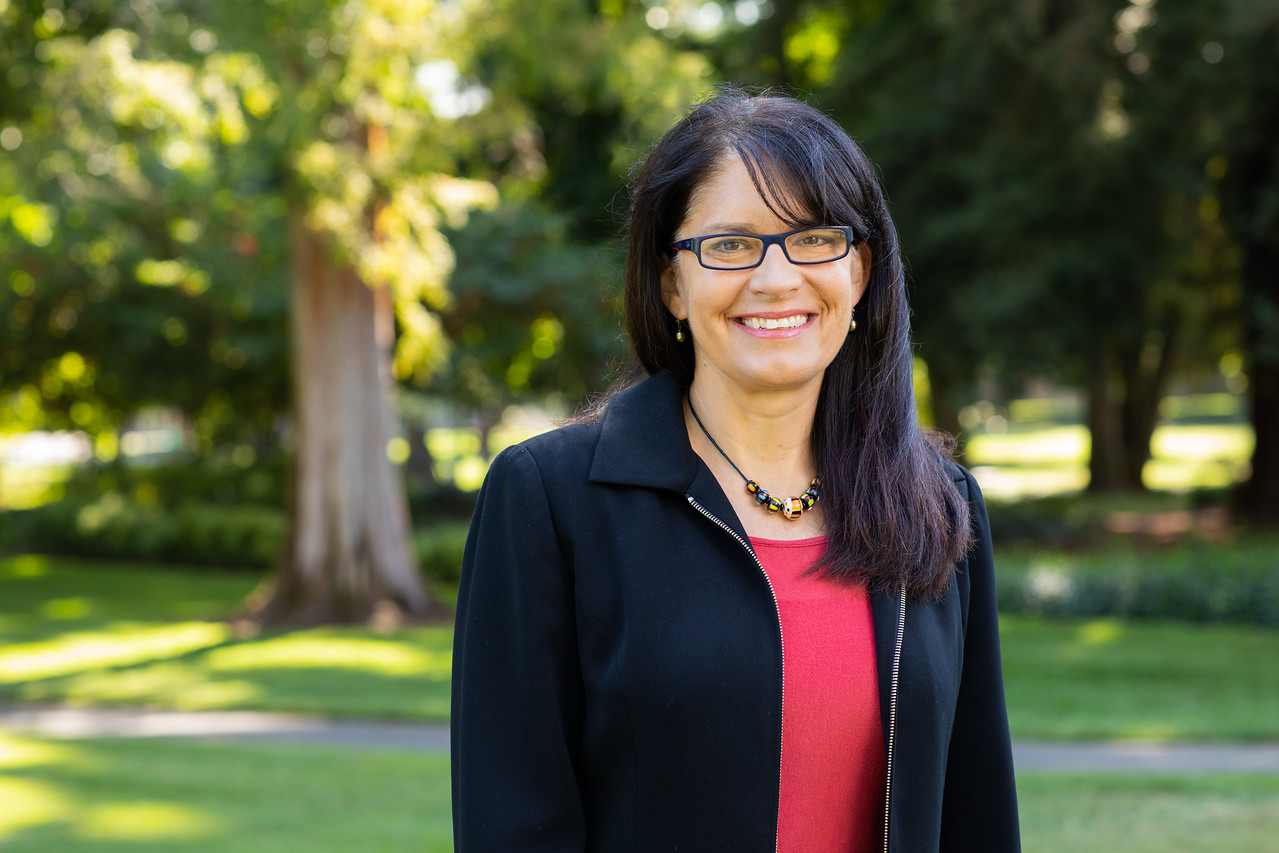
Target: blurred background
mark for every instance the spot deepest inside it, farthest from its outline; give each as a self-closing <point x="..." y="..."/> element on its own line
<point x="278" y="279"/>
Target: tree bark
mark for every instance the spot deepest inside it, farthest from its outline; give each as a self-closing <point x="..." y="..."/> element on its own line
<point x="348" y="556"/>
<point x="1145" y="378"/>
<point x="1260" y="493"/>
<point x="1105" y="461"/>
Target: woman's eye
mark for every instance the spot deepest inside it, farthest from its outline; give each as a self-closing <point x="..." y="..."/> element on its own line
<point x="721" y="247"/>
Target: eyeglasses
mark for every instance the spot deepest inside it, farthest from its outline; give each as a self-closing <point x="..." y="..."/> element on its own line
<point x="746" y="251"/>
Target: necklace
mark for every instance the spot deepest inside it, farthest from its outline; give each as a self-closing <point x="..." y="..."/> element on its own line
<point x="792" y="507"/>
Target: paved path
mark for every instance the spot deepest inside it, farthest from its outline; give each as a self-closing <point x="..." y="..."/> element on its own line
<point x="1074" y="757"/>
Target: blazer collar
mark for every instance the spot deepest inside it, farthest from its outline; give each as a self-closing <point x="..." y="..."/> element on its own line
<point x="643" y="440"/>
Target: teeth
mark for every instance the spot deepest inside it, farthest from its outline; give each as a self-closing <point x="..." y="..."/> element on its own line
<point x="780" y="323"/>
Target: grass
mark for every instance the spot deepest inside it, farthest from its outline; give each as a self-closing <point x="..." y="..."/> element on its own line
<point x="1106" y="678"/>
<point x="100" y="796"/>
<point x="1049" y="459"/>
<point x="94" y="633"/>
<point x="1148" y="814"/>
<point x="87" y="633"/>
<point x="121" y="795"/>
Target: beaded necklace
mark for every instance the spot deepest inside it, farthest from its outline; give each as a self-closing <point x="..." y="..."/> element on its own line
<point x="792" y="507"/>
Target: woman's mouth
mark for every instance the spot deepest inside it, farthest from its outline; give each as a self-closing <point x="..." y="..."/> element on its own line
<point x="794" y="321"/>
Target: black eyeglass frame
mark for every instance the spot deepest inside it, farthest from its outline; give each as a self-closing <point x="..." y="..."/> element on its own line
<point x="694" y="245"/>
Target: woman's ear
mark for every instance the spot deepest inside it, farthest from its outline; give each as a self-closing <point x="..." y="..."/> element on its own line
<point x="861" y="272"/>
<point x="671" y="296"/>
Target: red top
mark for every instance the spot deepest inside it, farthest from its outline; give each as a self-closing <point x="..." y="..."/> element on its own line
<point x="832" y="786"/>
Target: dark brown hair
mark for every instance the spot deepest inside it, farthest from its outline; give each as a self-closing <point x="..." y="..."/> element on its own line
<point x="893" y="514"/>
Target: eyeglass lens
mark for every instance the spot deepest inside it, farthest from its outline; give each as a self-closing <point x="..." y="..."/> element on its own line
<point x="735" y="251"/>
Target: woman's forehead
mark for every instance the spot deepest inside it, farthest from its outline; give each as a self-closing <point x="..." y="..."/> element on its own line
<point x="736" y="192"/>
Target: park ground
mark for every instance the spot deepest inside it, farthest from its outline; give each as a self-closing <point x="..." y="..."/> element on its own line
<point x="77" y="632"/>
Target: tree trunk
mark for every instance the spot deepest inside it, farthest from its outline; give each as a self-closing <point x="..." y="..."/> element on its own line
<point x="348" y="557"/>
<point x="1105" y="461"/>
<point x="1261" y="285"/>
<point x="1144" y="383"/>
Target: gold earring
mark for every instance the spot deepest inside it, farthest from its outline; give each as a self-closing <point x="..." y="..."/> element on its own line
<point x="679" y="331"/>
<point x="852" y="324"/>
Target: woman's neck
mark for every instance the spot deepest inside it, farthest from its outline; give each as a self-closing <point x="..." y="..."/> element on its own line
<point x="768" y="435"/>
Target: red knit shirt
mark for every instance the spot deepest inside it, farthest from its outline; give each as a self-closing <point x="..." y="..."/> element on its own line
<point x="832" y="786"/>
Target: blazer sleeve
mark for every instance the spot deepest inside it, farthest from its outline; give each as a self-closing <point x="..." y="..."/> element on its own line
<point x="517" y="693"/>
<point x="979" y="806"/>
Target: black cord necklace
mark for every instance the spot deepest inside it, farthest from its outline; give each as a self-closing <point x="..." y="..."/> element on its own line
<point x="792" y="507"/>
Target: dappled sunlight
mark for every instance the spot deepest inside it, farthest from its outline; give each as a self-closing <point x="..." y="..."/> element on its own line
<point x="146" y="820"/>
<point x="1054" y="460"/>
<point x="299" y="651"/>
<point x="177" y="685"/>
<point x="1233" y="441"/>
<point x="122" y="644"/>
<point x="17" y="751"/>
<point x="1100" y="632"/>
<point x="1063" y="444"/>
<point x="1182" y="475"/>
<point x="66" y="609"/>
<point x="29" y="803"/>
<point x="1020" y="482"/>
<point x="24" y="566"/>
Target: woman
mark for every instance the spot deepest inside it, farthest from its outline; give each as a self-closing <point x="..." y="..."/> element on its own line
<point x="750" y="606"/>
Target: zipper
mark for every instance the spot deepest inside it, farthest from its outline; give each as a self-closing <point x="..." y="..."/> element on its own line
<point x="892" y="715"/>
<point x="781" y="641"/>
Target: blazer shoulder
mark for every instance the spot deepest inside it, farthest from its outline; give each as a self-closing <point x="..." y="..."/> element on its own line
<point x="567" y="449"/>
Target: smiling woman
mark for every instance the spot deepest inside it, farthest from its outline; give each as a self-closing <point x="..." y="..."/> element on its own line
<point x="655" y="652"/>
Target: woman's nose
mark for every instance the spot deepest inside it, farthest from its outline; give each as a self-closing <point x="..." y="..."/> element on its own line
<point x="775" y="274"/>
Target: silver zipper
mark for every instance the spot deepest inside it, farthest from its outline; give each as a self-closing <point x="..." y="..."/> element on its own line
<point x="892" y="715"/>
<point x="781" y="641"/>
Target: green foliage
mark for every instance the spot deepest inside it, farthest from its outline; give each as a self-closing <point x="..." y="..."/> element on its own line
<point x="1238" y="582"/>
<point x="116" y="527"/>
<point x="439" y="551"/>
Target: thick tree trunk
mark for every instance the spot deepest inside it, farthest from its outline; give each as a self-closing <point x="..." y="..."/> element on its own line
<point x="1145" y="378"/>
<point x="1261" y="284"/>
<point x="348" y="557"/>
<point x="1105" y="461"/>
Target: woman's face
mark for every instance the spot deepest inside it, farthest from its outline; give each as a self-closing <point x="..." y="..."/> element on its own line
<point x="809" y="304"/>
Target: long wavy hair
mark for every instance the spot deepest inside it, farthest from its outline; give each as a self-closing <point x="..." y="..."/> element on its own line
<point x="894" y="516"/>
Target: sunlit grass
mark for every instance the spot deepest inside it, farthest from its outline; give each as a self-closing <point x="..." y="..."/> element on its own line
<point x="196" y="798"/>
<point x="130" y="639"/>
<point x="93" y="796"/>
<point x="1107" y="678"/>
<point x="122" y="644"/>
<point x="1052" y="460"/>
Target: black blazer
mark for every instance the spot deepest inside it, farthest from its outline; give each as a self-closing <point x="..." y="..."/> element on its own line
<point x="617" y="669"/>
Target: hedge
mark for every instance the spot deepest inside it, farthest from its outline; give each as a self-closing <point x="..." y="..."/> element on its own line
<point x="1202" y="583"/>
<point x="248" y="537"/>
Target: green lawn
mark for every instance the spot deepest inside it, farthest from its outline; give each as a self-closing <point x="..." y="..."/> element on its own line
<point x="1148" y="814"/>
<point x="94" y="633"/>
<point x="100" y="796"/>
<point x="1106" y="678"/>
<point x="72" y="631"/>
<point x="132" y="795"/>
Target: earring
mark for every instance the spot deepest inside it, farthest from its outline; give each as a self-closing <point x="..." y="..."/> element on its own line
<point x="852" y="324"/>
<point x="679" y="331"/>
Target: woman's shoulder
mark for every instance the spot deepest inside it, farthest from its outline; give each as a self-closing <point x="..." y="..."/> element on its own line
<point x="555" y="453"/>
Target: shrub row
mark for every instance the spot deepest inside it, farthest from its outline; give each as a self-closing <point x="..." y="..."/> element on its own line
<point x="248" y="537"/>
<point x="1201" y="591"/>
